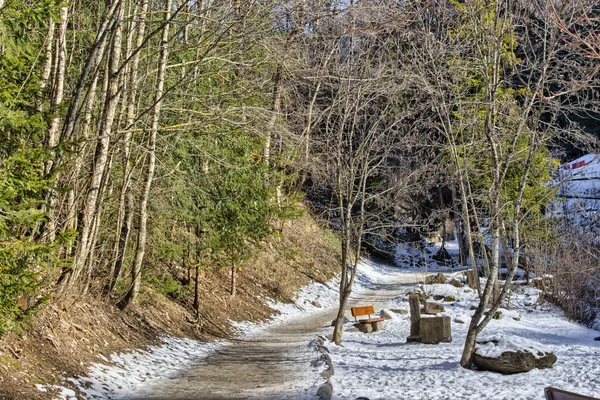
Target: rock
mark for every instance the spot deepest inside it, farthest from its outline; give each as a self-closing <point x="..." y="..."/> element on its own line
<point x="517" y="318"/>
<point x="377" y="326"/>
<point x="387" y="314"/>
<point x="468" y="290"/>
<point x="513" y="362"/>
<point x="400" y="311"/>
<point x="449" y="299"/>
<point x="325" y="391"/>
<point x="438" y="297"/>
<point x="543" y="283"/>
<point x="438" y="278"/>
<point x="497" y="315"/>
<point x="364" y="328"/>
<point x="456" y="283"/>
<point x="459" y="321"/>
<point x="432" y="308"/>
<point x="346" y="320"/>
<point x="316" y="304"/>
<point x="473" y="307"/>
<point x="434" y="330"/>
<point x="368" y="327"/>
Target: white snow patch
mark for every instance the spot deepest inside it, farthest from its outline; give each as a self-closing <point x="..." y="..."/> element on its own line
<point x="494" y="346"/>
<point x="126" y="373"/>
<point x="381" y="365"/>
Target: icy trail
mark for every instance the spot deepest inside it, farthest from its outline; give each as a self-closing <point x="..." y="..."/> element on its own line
<point x="275" y="363"/>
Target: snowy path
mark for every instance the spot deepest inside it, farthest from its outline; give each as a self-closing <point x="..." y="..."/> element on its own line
<point x="275" y="363"/>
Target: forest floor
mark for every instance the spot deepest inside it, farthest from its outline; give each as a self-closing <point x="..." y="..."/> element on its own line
<point x="65" y="340"/>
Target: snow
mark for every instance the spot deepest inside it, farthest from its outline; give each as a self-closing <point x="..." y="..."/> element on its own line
<point x="128" y="372"/>
<point x="124" y="374"/>
<point x="494" y="346"/>
<point x="381" y="365"/>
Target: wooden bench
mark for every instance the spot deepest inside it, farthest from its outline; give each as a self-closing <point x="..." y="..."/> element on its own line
<point x="558" y="394"/>
<point x="369" y="324"/>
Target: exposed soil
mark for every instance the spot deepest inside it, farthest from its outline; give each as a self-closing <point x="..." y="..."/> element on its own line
<point x="64" y="341"/>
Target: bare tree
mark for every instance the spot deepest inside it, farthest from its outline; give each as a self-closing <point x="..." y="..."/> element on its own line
<point x="495" y="86"/>
<point x="359" y="143"/>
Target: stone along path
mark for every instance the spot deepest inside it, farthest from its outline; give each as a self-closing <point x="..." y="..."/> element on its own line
<point x="276" y="363"/>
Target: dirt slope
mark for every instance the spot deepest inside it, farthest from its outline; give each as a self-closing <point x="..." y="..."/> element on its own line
<point x="64" y="340"/>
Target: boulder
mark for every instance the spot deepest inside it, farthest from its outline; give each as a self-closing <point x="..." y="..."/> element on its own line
<point x="377" y="326"/>
<point x="511" y="355"/>
<point x="434" y="330"/>
<point x="400" y="311"/>
<point x="438" y="278"/>
<point x="456" y="283"/>
<point x="346" y="320"/>
<point x="316" y="304"/>
<point x="387" y="314"/>
<point x="432" y="308"/>
<point x="368" y="327"/>
<point x="364" y="328"/>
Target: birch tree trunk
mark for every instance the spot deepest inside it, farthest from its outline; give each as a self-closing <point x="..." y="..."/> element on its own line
<point x="57" y="99"/>
<point x="136" y="271"/>
<point x="126" y="201"/>
<point x="100" y="163"/>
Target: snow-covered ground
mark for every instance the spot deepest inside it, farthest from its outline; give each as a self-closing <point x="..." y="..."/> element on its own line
<point x="381" y="365"/>
<point x="126" y="374"/>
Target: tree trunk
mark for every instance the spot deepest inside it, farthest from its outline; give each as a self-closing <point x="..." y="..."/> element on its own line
<point x="101" y="157"/>
<point x="339" y="322"/>
<point x="136" y="271"/>
<point x="57" y="99"/>
<point x="126" y="201"/>
<point x="196" y="295"/>
<point x="47" y="70"/>
<point x="275" y="109"/>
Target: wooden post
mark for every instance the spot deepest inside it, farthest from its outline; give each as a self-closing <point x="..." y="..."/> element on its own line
<point x="415" y="317"/>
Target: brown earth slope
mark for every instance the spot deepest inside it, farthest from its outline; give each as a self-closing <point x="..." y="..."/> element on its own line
<point x="63" y="341"/>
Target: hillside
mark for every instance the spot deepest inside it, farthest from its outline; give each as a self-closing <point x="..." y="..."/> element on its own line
<point x="64" y="341"/>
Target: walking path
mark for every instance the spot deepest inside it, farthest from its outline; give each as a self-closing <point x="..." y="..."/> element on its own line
<point x="276" y="363"/>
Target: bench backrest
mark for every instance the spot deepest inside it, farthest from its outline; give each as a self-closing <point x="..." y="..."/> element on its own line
<point x="359" y="311"/>
<point x="558" y="394"/>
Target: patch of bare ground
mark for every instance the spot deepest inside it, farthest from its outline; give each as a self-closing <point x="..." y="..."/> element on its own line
<point x="64" y="340"/>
